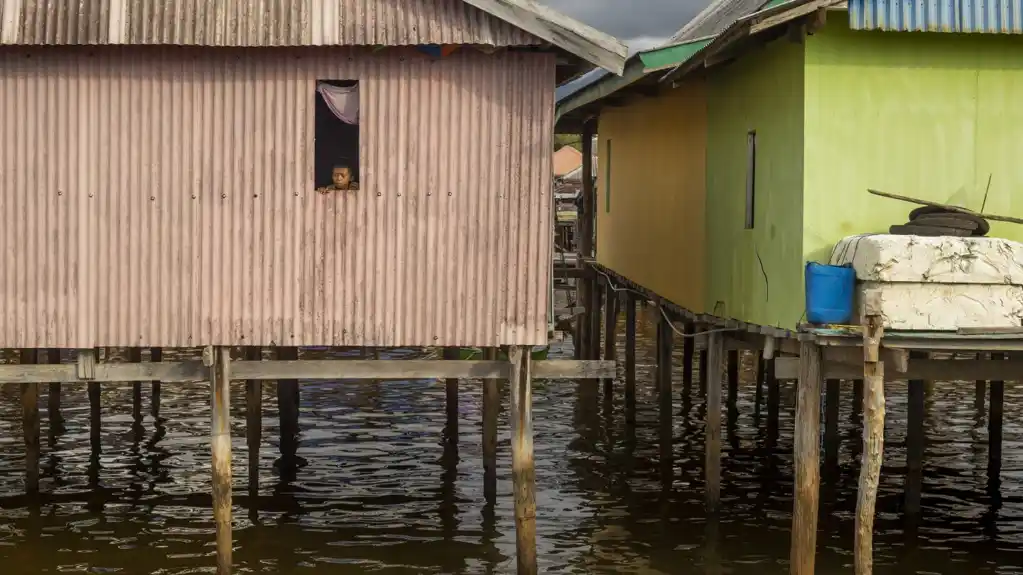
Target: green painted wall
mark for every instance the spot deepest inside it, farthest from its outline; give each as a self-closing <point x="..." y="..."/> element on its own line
<point x="928" y="115"/>
<point x="755" y="275"/>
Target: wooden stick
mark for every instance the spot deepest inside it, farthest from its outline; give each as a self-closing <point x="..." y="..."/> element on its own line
<point x="30" y="424"/>
<point x="947" y="207"/>
<point x="220" y="440"/>
<point x="915" y="443"/>
<point x="807" y="461"/>
<point x="610" y="323"/>
<point x="665" y="343"/>
<point x="287" y="409"/>
<point x="733" y="385"/>
<point x="759" y="396"/>
<point x="491" y="408"/>
<point x="523" y="466"/>
<point x="714" y="354"/>
<point x="53" y="403"/>
<point x="873" y="434"/>
<point x="451" y="398"/>
<point x="630" y="360"/>
<point x="773" y="402"/>
<point x="253" y="419"/>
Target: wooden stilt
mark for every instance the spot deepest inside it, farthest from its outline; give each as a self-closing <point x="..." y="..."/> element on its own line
<point x="996" y="410"/>
<point x="582" y="324"/>
<point x="665" y="344"/>
<point x="759" y="394"/>
<point x="807" y="460"/>
<point x="773" y="403"/>
<point x="630" y="360"/>
<point x="491" y="407"/>
<point x="156" y="356"/>
<point x="703" y="372"/>
<point x="596" y="294"/>
<point x="523" y="470"/>
<point x="832" y="442"/>
<point x="95" y="431"/>
<point x="135" y="356"/>
<point x="220" y="439"/>
<point x="30" y="424"/>
<point x="253" y="420"/>
<point x="287" y="407"/>
<point x="53" y="403"/>
<point x="688" y="351"/>
<point x="980" y="391"/>
<point x="915" y="444"/>
<point x="733" y="384"/>
<point x="714" y="354"/>
<point x="610" y="324"/>
<point x="873" y="435"/>
<point x="451" y="398"/>
<point x="857" y="403"/>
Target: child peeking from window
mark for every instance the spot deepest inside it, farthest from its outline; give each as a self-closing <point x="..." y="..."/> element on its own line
<point x="342" y="181"/>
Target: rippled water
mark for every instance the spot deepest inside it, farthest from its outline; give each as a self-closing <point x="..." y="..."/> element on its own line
<point x="382" y="491"/>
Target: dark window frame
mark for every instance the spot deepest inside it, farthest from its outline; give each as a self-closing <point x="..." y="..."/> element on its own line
<point x="334" y="142"/>
<point x="751" y="179"/>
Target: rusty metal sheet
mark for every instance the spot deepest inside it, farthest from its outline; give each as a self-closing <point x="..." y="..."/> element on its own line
<point x="254" y="23"/>
<point x="164" y="197"/>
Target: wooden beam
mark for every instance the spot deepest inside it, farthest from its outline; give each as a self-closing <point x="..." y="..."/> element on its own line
<point x="194" y="371"/>
<point x="926" y="369"/>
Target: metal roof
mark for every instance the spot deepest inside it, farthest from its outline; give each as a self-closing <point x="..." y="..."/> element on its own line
<point x="963" y="16"/>
<point x="303" y="23"/>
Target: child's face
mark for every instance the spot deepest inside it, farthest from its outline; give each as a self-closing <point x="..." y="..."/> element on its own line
<point x="341" y="177"/>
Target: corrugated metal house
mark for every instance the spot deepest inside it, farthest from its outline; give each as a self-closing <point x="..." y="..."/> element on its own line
<point x="780" y="123"/>
<point x="161" y="163"/>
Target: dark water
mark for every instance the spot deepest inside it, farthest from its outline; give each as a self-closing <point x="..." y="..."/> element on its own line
<point x="382" y="492"/>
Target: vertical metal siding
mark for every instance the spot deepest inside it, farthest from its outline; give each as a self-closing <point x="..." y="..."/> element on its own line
<point x="964" y="16"/>
<point x="254" y="23"/>
<point x="164" y="197"/>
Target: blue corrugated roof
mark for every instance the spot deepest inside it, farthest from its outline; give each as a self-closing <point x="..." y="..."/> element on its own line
<point x="568" y="88"/>
<point x="963" y="16"/>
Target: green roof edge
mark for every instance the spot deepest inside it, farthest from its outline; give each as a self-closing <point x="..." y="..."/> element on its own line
<point x="671" y="56"/>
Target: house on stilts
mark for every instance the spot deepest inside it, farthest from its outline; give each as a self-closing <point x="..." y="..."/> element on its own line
<point x="225" y="174"/>
<point x="756" y="165"/>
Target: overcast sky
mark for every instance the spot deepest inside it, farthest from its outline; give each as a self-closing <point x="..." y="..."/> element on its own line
<point x="639" y="23"/>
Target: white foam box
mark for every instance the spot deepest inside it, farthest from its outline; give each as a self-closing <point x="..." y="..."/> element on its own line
<point x="938" y="283"/>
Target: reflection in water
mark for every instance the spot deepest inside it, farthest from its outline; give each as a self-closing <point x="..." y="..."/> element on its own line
<point x="385" y="487"/>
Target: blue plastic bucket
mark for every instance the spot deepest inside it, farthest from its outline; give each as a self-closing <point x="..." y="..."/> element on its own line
<point x="829" y="293"/>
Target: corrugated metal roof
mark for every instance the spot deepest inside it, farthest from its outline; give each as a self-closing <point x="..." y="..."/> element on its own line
<point x="715" y="18"/>
<point x="961" y="16"/>
<point x="255" y="23"/>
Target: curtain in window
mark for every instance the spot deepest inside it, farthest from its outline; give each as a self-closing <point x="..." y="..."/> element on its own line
<point x="342" y="101"/>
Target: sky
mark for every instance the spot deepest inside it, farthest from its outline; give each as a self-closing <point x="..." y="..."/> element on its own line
<point x="641" y="24"/>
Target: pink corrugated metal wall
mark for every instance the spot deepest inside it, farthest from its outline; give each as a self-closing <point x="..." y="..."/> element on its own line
<point x="164" y="197"/>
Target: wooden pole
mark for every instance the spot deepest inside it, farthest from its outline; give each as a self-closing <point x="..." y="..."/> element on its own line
<point x="156" y="356"/>
<point x="915" y="443"/>
<point x="873" y="434"/>
<point x="714" y="355"/>
<point x="253" y="420"/>
<point x="491" y="407"/>
<point x="220" y="440"/>
<point x="994" y="432"/>
<point x="665" y="344"/>
<point x="587" y="209"/>
<point x="30" y="424"/>
<point x="610" y="323"/>
<point x="688" y="352"/>
<point x="523" y="470"/>
<point x="451" y="398"/>
<point x="832" y="442"/>
<point x="630" y="360"/>
<point x="135" y="356"/>
<point x="733" y="384"/>
<point x="980" y="391"/>
<point x="807" y="460"/>
<point x="759" y="396"/>
<point x="287" y="408"/>
<point x="703" y="372"/>
<point x="857" y="404"/>
<point x="773" y="404"/>
<point x="53" y="403"/>
<point x="596" y="294"/>
<point x="94" y="406"/>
